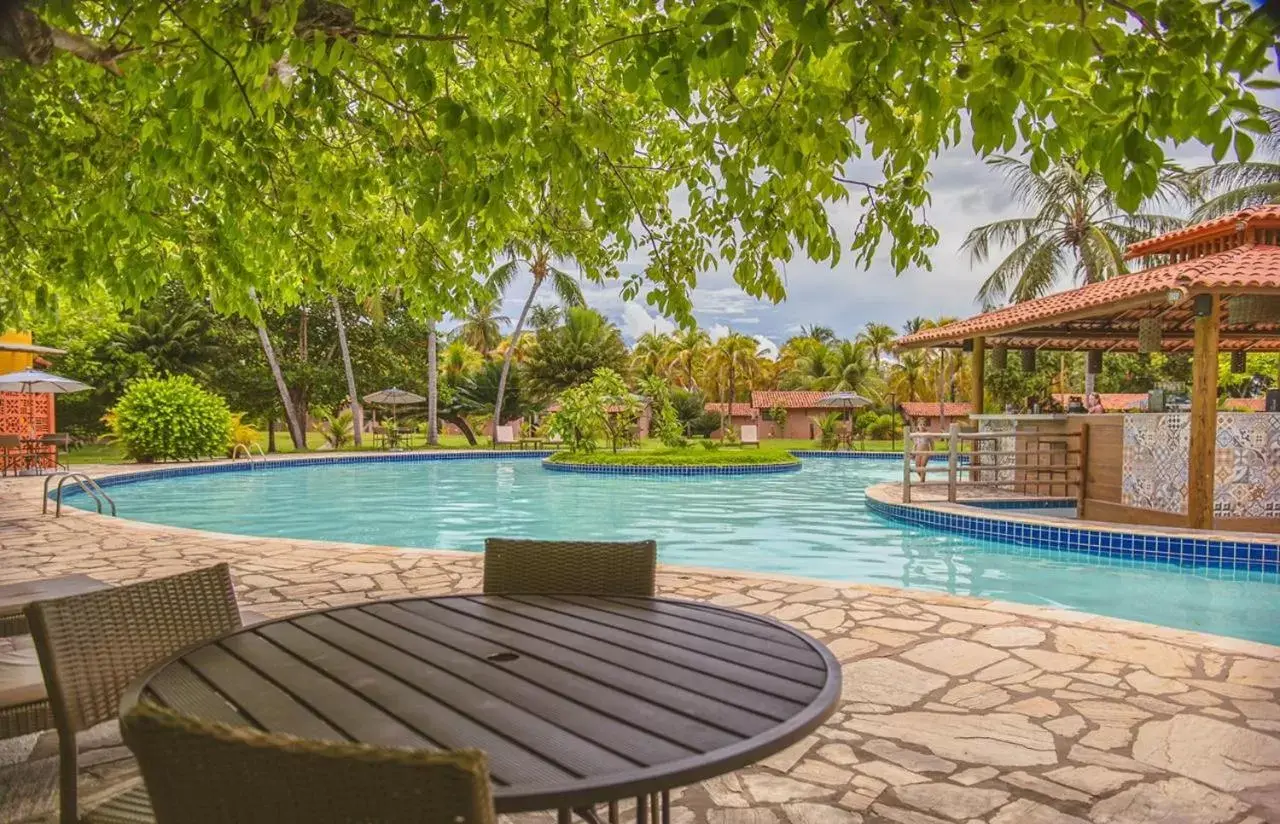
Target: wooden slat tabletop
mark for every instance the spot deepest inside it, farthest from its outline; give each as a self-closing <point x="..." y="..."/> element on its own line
<point x="577" y="700"/>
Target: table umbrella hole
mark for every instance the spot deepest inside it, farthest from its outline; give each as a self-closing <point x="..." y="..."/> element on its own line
<point x="502" y="657"/>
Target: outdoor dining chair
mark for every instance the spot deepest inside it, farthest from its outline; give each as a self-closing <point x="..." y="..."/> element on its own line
<point x="207" y="773"/>
<point x="91" y="646"/>
<point x="11" y="445"/>
<point x="520" y="566"/>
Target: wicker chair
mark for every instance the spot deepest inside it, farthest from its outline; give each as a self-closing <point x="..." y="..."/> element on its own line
<point x="91" y="646"/>
<point x="207" y="773"/>
<point x="517" y="566"/>
<point x="24" y="705"/>
<point x="523" y="567"/>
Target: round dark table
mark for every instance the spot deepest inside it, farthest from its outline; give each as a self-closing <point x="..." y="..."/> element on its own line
<point x="576" y="700"/>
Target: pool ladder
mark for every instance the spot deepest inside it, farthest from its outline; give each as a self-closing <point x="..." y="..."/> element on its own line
<point x="88" y="485"/>
<point x="248" y="455"/>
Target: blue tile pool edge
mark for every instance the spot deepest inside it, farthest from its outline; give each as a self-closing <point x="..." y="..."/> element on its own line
<point x="1245" y="555"/>
<point x="175" y="471"/>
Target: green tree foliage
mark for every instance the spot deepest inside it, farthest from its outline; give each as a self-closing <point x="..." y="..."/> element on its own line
<point x="1227" y="187"/>
<point x="171" y="419"/>
<point x="337" y="426"/>
<point x="298" y="146"/>
<point x="1077" y="230"/>
<point x="664" y="418"/>
<point x="570" y="354"/>
<point x="477" y="393"/>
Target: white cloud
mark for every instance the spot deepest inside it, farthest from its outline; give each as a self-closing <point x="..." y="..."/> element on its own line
<point x="768" y="348"/>
<point x="718" y="331"/>
<point x="636" y="322"/>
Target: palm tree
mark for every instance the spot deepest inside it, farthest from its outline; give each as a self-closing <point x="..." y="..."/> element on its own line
<point x="544" y="316"/>
<point x="1076" y="231"/>
<point x="913" y="325"/>
<point x="689" y="349"/>
<point x="650" y="353"/>
<point x="433" y="386"/>
<point x="357" y="414"/>
<point x="566" y="288"/>
<point x="571" y="353"/>
<point x="822" y="334"/>
<point x="297" y="432"/>
<point x="849" y="368"/>
<point x="737" y="356"/>
<point x="459" y="360"/>
<point x="879" y="338"/>
<point x="481" y="328"/>
<point x="802" y="363"/>
<point x="1230" y="187"/>
<point x="909" y="378"/>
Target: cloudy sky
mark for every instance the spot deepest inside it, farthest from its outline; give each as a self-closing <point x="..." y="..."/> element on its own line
<point x="966" y="193"/>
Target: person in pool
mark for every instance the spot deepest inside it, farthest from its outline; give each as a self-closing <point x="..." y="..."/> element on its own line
<point x="922" y="446"/>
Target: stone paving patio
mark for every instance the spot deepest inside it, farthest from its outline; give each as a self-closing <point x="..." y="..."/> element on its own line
<point x="954" y="709"/>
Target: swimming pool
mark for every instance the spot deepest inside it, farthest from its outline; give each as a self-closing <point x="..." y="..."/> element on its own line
<point x="812" y="523"/>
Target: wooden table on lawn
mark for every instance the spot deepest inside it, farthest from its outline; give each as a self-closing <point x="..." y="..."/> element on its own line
<point x="576" y="700"/>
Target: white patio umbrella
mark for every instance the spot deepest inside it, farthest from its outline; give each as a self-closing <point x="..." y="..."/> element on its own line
<point x="847" y="401"/>
<point x="32" y="381"/>
<point x="393" y="398"/>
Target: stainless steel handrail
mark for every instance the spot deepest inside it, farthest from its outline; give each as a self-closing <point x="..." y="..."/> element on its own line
<point x="87" y="485"/>
<point x="248" y="454"/>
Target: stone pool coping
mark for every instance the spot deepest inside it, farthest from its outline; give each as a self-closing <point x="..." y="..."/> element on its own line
<point x="116" y="474"/>
<point x="1244" y="551"/>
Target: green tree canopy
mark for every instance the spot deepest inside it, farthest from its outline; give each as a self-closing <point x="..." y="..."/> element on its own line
<point x="570" y="354"/>
<point x="294" y="145"/>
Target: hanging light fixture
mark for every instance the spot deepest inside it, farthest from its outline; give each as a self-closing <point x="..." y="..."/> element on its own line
<point x="1239" y="362"/>
<point x="1028" y="360"/>
<point x="1000" y="357"/>
<point x="1093" y="362"/>
<point x="1149" y="335"/>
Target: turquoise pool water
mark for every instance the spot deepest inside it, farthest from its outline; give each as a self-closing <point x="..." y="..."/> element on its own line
<point x="811" y="523"/>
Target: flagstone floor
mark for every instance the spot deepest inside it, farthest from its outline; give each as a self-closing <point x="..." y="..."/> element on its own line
<point x="954" y="709"/>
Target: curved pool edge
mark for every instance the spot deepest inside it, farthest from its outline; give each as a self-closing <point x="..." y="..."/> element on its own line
<point x="1246" y="552"/>
<point x="670" y="470"/>
<point x="119" y="530"/>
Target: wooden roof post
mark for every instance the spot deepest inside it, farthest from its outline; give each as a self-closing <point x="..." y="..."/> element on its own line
<point x="979" y="379"/>
<point x="1204" y="412"/>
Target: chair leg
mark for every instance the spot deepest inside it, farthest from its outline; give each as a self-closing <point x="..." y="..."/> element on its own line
<point x="564" y="816"/>
<point x="642" y="811"/>
<point x="67" y="770"/>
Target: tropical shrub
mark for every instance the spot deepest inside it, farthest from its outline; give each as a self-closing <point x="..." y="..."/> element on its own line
<point x="664" y="421"/>
<point x="829" y="430"/>
<point x="579" y="419"/>
<point x="337" y="427"/>
<point x="709" y="445"/>
<point x="242" y="434"/>
<point x="172" y="419"/>
<point x="880" y="428"/>
<point x="778" y="415"/>
<point x="713" y="456"/>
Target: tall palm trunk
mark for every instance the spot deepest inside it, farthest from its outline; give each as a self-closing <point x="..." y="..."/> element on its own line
<point x="296" y="431"/>
<point x="433" y="387"/>
<point x="728" y="407"/>
<point x="539" y="270"/>
<point x="357" y="414"/>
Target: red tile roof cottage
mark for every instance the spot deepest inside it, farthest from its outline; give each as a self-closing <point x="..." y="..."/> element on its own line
<point x="740" y="414"/>
<point x="930" y="416"/>
<point x="801" y="413"/>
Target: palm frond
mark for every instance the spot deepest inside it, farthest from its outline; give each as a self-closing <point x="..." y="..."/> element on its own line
<point x="1028" y="187"/>
<point x="499" y="280"/>
<point x="1107" y="255"/>
<point x="1040" y="273"/>
<point x="1004" y="279"/>
<point x="566" y="288"/>
<point x="1233" y="200"/>
<point x="1001" y="233"/>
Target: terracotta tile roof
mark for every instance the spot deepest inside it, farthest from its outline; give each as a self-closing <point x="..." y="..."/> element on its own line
<point x="1252" y="267"/>
<point x="929" y="409"/>
<point x="1111" y="401"/>
<point x="792" y="399"/>
<point x="1246" y="404"/>
<point x="1217" y="227"/>
<point x="739" y="409"/>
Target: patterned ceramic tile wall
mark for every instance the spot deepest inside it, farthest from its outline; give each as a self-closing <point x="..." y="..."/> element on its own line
<point x="1246" y="469"/>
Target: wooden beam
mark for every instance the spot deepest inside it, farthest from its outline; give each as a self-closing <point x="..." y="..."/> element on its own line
<point x="1204" y="415"/>
<point x="977" y="370"/>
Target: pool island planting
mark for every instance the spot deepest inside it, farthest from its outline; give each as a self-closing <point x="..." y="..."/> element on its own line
<point x="689" y="457"/>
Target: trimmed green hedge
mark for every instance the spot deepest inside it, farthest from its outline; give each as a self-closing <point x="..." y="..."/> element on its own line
<point x="678" y="457"/>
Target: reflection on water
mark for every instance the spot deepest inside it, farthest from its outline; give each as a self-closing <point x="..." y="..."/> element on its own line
<point x="812" y="523"/>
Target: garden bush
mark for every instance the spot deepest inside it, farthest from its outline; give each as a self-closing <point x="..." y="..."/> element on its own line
<point x="172" y="419"/>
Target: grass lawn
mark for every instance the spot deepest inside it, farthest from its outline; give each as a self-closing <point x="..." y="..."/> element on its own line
<point x="112" y="454"/>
